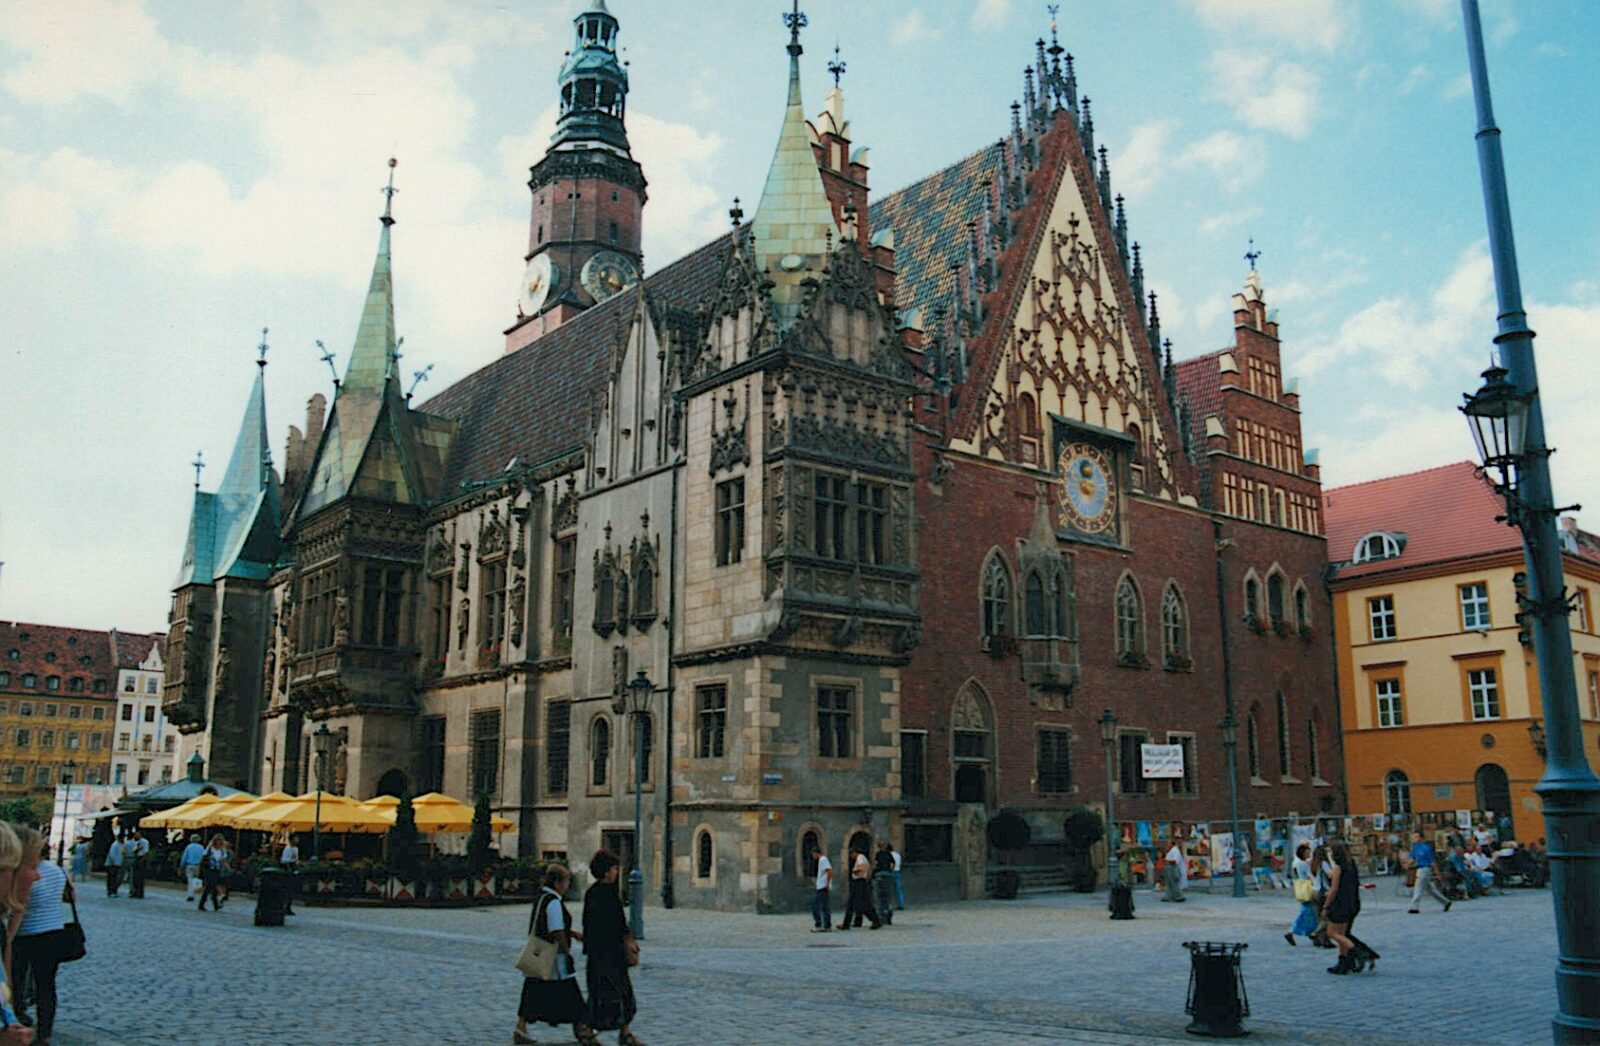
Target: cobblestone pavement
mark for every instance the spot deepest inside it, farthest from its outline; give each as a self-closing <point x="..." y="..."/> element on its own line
<point x="1045" y="969"/>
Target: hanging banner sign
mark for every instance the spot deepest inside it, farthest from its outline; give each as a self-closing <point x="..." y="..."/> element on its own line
<point x="1163" y="761"/>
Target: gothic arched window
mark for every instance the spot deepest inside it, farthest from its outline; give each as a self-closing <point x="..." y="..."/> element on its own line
<point x="1130" y="621"/>
<point x="704" y="854"/>
<point x="1174" y="628"/>
<point x="1302" y="607"/>
<point x="996" y="597"/>
<point x="1275" y="600"/>
<point x="600" y="753"/>
<point x="1252" y="599"/>
<point x="1035" y="606"/>
<point x="1061" y="599"/>
<point x="1283" y="735"/>
<point x="644" y="591"/>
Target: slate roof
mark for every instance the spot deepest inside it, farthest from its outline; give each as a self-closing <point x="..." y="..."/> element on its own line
<point x="1444" y="514"/>
<point x="52" y="650"/>
<point x="1200" y="382"/>
<point x="131" y="648"/>
<point x="929" y="218"/>
<point x="533" y="404"/>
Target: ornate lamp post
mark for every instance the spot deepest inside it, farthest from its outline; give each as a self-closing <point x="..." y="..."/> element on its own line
<point x="1108" y="739"/>
<point x="66" y="801"/>
<point x="640" y="688"/>
<point x="322" y="743"/>
<point x="1230" y="744"/>
<point x="1508" y="426"/>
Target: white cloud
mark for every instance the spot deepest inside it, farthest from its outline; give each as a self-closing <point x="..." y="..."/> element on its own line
<point x="912" y="28"/>
<point x="990" y="14"/>
<point x="103" y="48"/>
<point x="1280" y="97"/>
<point x="1235" y="160"/>
<point x="1216" y="223"/>
<point x="1418" y="75"/>
<point x="1307" y="24"/>
<point x="1460" y="87"/>
<point x="1142" y="162"/>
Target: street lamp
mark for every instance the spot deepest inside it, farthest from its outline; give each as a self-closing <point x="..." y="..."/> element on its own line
<point x="1230" y="743"/>
<point x="640" y="689"/>
<point x="322" y="742"/>
<point x="1508" y="425"/>
<point x="1108" y="739"/>
<point x="66" y="801"/>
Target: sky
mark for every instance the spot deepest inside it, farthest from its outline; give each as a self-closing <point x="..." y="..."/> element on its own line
<point x="176" y="176"/>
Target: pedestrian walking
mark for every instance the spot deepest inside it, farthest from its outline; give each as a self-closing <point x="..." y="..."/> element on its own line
<point x="859" y="902"/>
<point x="12" y="1031"/>
<point x="1172" y="870"/>
<point x="136" y="853"/>
<point x="883" y="884"/>
<point x="556" y="1001"/>
<point x="1343" y="903"/>
<point x="189" y="864"/>
<point x="611" y="949"/>
<point x="1423" y="860"/>
<point x="114" y="859"/>
<point x="289" y="859"/>
<point x="1304" y="885"/>
<point x="225" y="872"/>
<point x="822" y="899"/>
<point x="899" y="885"/>
<point x="211" y="870"/>
<point x="39" y="893"/>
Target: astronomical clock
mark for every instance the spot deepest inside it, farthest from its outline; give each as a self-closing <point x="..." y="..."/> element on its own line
<point x="1089" y="497"/>
<point x="608" y="273"/>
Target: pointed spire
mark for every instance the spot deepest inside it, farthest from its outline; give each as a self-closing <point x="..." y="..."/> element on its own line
<point x="1120" y="232"/>
<point x="1071" y="87"/>
<point x="793" y="227"/>
<point x="1087" y="130"/>
<point x="1169" y="373"/>
<point x="1153" y="325"/>
<point x="372" y="357"/>
<point x="1030" y="100"/>
<point x="252" y="457"/>
<point x="1136" y="278"/>
<point x="1105" y="180"/>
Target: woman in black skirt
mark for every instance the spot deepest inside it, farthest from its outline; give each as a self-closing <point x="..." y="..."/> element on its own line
<point x="1343" y="904"/>
<point x="608" y="944"/>
<point x="556" y="1001"/>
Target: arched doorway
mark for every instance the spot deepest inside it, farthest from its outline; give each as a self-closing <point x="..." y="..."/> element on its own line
<point x="972" y="746"/>
<point x="392" y="783"/>
<point x="1494" y="790"/>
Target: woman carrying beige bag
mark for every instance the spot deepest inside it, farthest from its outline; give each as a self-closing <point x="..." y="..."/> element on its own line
<point x="550" y="991"/>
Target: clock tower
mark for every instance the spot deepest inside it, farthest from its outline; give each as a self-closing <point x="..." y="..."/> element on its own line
<point x="588" y="191"/>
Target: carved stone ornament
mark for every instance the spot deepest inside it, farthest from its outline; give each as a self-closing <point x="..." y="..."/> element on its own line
<point x="848" y="631"/>
<point x="730" y="447"/>
<point x="907" y="639"/>
<point x="564" y="516"/>
<point x="968" y="713"/>
<point x="493" y="535"/>
<point x="441" y="558"/>
<point x="463" y="620"/>
<point x="462" y="578"/>
<point x="519" y="554"/>
<point x="519" y="602"/>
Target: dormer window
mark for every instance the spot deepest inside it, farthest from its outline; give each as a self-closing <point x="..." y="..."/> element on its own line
<point x="1377" y="545"/>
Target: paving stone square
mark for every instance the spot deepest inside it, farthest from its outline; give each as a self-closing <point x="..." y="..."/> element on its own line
<point x="1049" y="968"/>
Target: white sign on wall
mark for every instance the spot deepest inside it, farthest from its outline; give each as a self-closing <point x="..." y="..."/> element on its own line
<point x="1163" y="761"/>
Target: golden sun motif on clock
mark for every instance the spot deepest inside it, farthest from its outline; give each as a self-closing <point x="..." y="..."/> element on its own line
<point x="1088" y="495"/>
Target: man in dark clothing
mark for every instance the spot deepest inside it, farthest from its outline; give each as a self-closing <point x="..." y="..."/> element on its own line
<point x="860" y="902"/>
<point x="883" y="883"/>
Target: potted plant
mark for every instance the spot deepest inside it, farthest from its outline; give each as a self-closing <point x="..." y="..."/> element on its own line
<point x="1008" y="832"/>
<point x="1254" y="623"/>
<point x="404" y="856"/>
<point x="1081" y="830"/>
<point x="480" y="850"/>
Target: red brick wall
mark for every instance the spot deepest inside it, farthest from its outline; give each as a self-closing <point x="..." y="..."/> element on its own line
<point x="554" y="211"/>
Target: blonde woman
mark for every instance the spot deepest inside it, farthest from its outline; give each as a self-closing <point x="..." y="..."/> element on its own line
<point x="12" y="1033"/>
<point x="42" y="889"/>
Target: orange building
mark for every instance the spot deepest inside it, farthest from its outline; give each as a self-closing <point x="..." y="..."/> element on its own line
<point x="56" y="707"/>
<point x="1439" y="691"/>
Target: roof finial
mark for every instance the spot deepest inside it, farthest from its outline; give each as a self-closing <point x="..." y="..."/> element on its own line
<point x="417" y="378"/>
<point x="1055" y="45"/>
<point x="327" y="357"/>
<point x="261" y="349"/>
<point x="836" y="67"/>
<point x="796" y="20"/>
<point x="199" y="463"/>
<point x="1252" y="254"/>
<point x="389" y="191"/>
<point x="736" y="212"/>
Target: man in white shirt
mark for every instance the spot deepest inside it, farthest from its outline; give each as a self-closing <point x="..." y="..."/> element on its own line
<point x="899" y="887"/>
<point x="290" y="860"/>
<point x="1172" y="870"/>
<point x="822" y="900"/>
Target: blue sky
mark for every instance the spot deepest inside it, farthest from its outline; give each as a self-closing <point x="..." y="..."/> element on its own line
<point x="176" y="176"/>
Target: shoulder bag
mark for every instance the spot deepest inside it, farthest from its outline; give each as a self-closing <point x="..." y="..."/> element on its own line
<point x="538" y="958"/>
<point x="73" y="945"/>
<point x="1305" y="890"/>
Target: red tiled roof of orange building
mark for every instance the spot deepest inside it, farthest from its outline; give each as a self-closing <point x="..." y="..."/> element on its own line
<point x="46" y="651"/>
<point x="1436" y="515"/>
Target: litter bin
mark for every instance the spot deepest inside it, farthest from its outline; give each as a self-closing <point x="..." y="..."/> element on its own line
<point x="1121" y="901"/>
<point x="272" y="896"/>
<point x="1217" y="999"/>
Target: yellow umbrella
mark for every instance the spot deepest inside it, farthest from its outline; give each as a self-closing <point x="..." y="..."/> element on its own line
<point x="231" y="817"/>
<point x="197" y="814"/>
<point x="383" y="809"/>
<point x="165" y="819"/>
<point x="437" y="812"/>
<point x="338" y="813"/>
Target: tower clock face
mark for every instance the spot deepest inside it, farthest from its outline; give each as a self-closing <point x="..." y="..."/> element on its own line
<point x="1088" y="495"/>
<point x="607" y="273"/>
<point x="538" y="280"/>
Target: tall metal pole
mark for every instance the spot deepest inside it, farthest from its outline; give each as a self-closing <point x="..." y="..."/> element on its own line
<point x="636" y="875"/>
<point x="1113" y="837"/>
<point x="1570" y="791"/>
<point x="316" y="824"/>
<point x="1219" y="545"/>
<point x="1233" y="814"/>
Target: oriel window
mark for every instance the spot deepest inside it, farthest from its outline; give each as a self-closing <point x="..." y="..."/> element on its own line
<point x="729" y="534"/>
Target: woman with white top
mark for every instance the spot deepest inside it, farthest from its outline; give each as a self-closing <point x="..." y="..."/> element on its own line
<point x="1306" y="921"/>
<point x="41" y="889"/>
<point x="556" y="1001"/>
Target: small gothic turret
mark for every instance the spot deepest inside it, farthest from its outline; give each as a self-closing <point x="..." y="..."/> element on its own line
<point x="1153" y="325"/>
<point x="1136" y="277"/>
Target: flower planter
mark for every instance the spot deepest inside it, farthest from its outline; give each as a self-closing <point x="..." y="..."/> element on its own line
<point x="372" y="887"/>
<point x="457" y="890"/>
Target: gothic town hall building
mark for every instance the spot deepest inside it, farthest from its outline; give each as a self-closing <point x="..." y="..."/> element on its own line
<point x="888" y="499"/>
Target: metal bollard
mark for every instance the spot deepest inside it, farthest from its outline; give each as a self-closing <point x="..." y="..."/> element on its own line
<point x="1217" y="998"/>
<point x="1121" y="901"/>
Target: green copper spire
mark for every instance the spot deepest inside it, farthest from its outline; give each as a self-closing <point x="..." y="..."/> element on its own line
<point x="793" y="226"/>
<point x="372" y="358"/>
